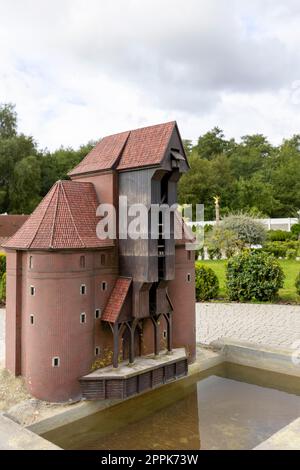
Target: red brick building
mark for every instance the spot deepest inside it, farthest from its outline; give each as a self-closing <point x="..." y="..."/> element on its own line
<point x="73" y="298"/>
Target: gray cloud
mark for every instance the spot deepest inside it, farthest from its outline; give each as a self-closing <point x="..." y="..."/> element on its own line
<point x="137" y="61"/>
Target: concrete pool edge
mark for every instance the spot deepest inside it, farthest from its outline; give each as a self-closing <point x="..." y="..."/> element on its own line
<point x="15" y="437"/>
<point x="259" y="356"/>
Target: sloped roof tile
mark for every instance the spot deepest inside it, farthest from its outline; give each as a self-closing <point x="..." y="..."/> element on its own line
<point x="116" y="300"/>
<point x="131" y="149"/>
<point x="9" y="224"/>
<point x="65" y="219"/>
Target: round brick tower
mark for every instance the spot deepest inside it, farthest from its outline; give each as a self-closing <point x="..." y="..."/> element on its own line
<point x="57" y="323"/>
<point x="57" y="276"/>
<point x="182" y="294"/>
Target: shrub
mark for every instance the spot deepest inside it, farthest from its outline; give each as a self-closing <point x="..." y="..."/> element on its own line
<point x="295" y="231"/>
<point x="277" y="249"/>
<point x="278" y="236"/>
<point x="2" y="264"/>
<point x="280" y="249"/>
<point x="3" y="288"/>
<point x="297" y="284"/>
<point x="199" y="254"/>
<point x="248" y="230"/>
<point x="253" y="275"/>
<point x="207" y="283"/>
<point x="223" y="241"/>
<point x="214" y="253"/>
<point x="291" y="253"/>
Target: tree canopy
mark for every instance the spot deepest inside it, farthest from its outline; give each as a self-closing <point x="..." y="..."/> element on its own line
<point x="251" y="175"/>
<point x="27" y="173"/>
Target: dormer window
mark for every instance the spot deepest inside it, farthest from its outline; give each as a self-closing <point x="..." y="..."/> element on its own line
<point x="176" y="158"/>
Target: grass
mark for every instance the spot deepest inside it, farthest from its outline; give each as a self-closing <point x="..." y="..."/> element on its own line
<point x="287" y="294"/>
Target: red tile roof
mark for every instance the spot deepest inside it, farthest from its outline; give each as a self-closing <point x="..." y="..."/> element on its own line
<point x="132" y="149"/>
<point x="116" y="300"/>
<point x="65" y="218"/>
<point x="9" y="224"/>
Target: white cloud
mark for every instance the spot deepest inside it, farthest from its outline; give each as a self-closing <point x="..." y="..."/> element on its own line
<point x="78" y="70"/>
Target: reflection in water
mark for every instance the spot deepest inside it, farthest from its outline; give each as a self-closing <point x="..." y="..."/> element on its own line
<point x="237" y="415"/>
<point x="220" y="412"/>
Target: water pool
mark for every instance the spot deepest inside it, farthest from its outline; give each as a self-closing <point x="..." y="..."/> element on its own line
<point x="226" y="407"/>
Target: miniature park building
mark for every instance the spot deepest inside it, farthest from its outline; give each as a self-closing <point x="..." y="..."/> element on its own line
<point x="73" y="299"/>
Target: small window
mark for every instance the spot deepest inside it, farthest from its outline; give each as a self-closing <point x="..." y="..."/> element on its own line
<point x="189" y="256"/>
<point x="97" y="313"/>
<point x="83" y="289"/>
<point x="31" y="319"/>
<point x="97" y="350"/>
<point x="82" y="261"/>
<point x="55" y="361"/>
<point x="32" y="290"/>
<point x="82" y="318"/>
<point x="103" y="259"/>
<point x="165" y="334"/>
<point x="188" y="277"/>
<point x="104" y="285"/>
<point x="30" y="262"/>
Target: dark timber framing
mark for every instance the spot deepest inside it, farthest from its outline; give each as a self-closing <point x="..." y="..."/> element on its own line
<point x="118" y="329"/>
<point x="120" y="387"/>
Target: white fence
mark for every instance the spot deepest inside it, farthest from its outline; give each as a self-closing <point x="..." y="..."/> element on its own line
<point x="271" y="224"/>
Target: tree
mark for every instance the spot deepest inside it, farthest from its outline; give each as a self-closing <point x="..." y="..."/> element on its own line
<point x="255" y="194"/>
<point x="248" y="230"/>
<point x="188" y="146"/>
<point x="25" y="187"/>
<point x="224" y="241"/>
<point x="8" y="121"/>
<point x="212" y="144"/>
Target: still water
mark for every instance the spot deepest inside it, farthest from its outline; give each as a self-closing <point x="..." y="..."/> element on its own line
<point x="227" y="407"/>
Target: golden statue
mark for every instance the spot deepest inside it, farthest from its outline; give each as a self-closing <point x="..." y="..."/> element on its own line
<point x="217" y="205"/>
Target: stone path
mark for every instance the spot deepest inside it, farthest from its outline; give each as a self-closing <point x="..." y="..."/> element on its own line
<point x="274" y="325"/>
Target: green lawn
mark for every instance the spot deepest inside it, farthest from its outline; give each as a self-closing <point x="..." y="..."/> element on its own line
<point x="287" y="294"/>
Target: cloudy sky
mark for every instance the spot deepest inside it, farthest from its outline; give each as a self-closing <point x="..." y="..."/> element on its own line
<point x="81" y="69"/>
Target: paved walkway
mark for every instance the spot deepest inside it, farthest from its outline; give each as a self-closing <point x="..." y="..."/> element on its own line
<point x="274" y="325"/>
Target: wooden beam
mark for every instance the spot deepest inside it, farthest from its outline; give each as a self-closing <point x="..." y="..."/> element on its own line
<point x="116" y="346"/>
<point x="155" y="321"/>
<point x="132" y="328"/>
<point x="169" y="318"/>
